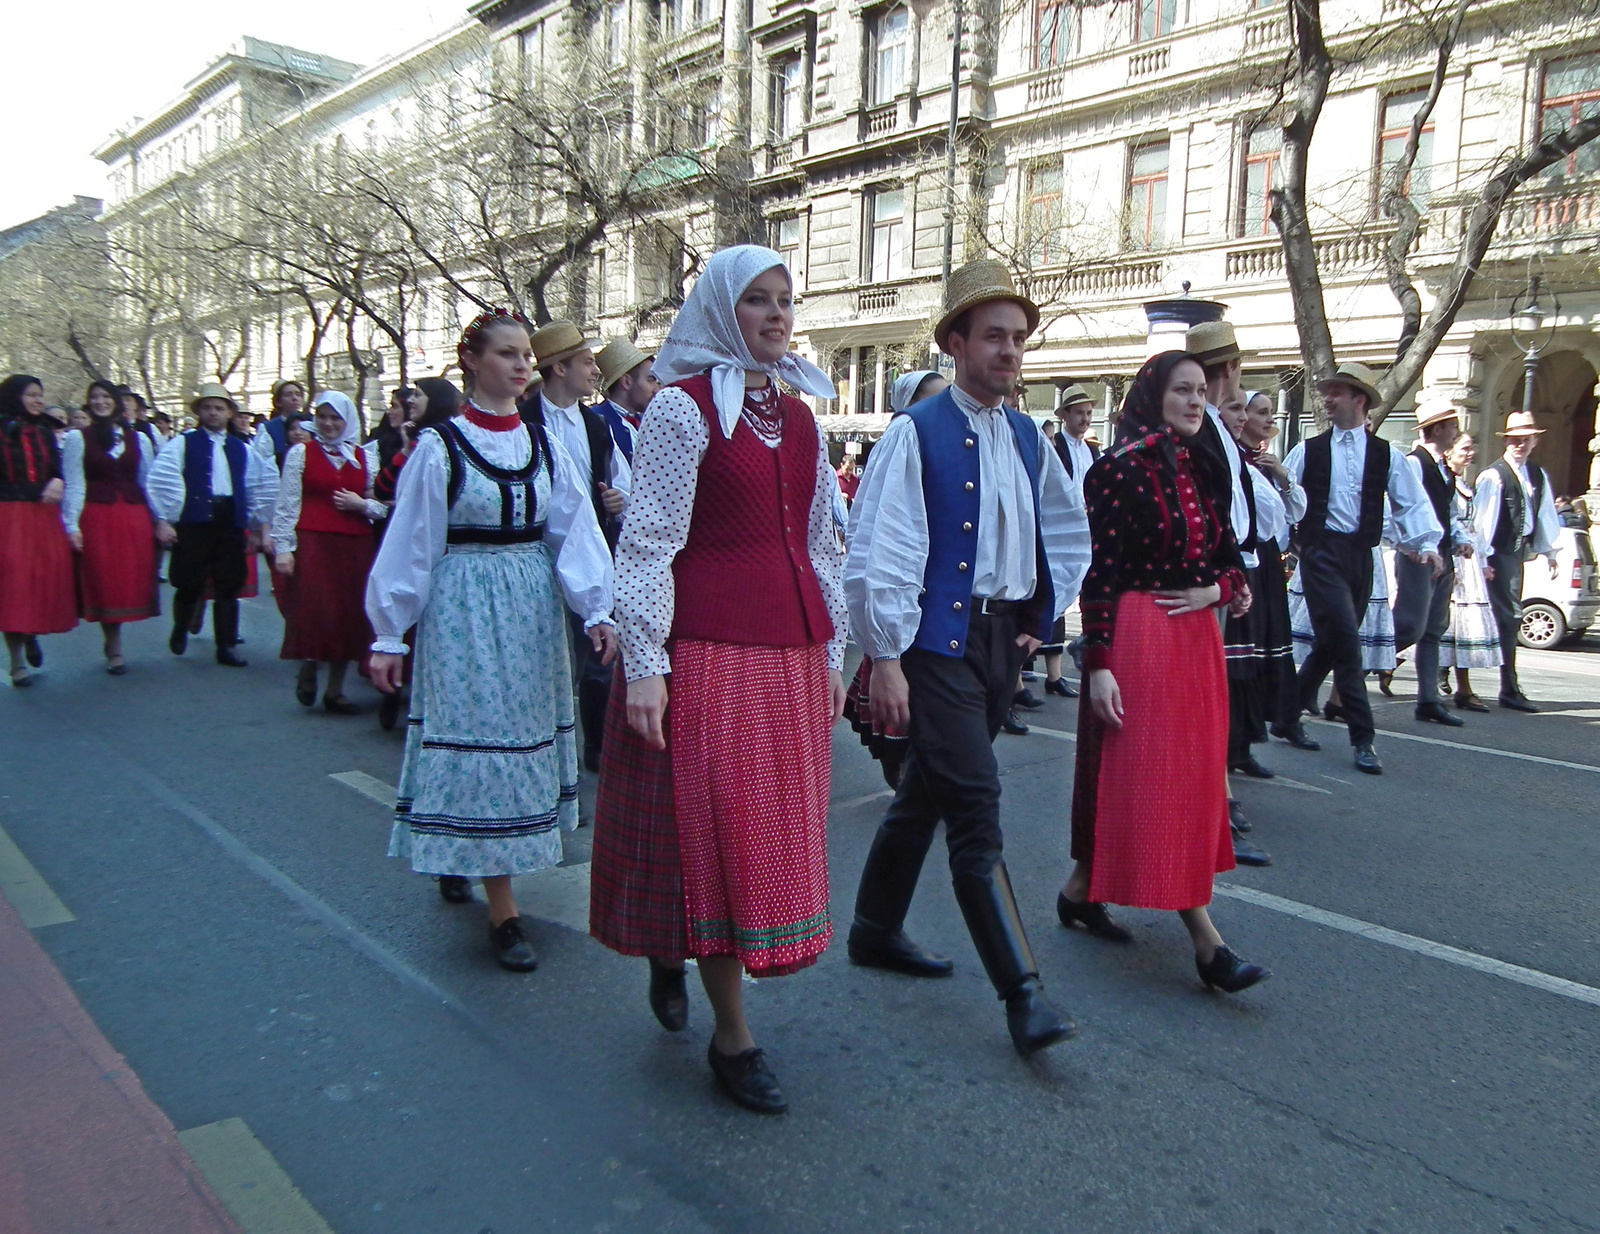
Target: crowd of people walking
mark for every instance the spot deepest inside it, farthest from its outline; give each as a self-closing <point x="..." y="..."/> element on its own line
<point x="653" y="554"/>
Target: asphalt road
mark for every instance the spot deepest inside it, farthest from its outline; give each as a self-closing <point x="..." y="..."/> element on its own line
<point x="243" y="940"/>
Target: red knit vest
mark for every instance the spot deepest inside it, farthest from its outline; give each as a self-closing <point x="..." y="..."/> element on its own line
<point x="745" y="575"/>
<point x="318" y="483"/>
<point x="107" y="480"/>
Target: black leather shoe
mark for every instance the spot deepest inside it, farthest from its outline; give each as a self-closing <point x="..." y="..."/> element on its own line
<point x="453" y="889"/>
<point x="1247" y="854"/>
<point x="1518" y="702"/>
<point x="1011" y="724"/>
<point x="1228" y="973"/>
<point x="305" y="685"/>
<point x="1034" y="1024"/>
<point x="388" y="711"/>
<point x="1249" y="766"/>
<point x="339" y="705"/>
<point x="31" y="649"/>
<point x="1471" y="702"/>
<point x="748" y="1080"/>
<point x="669" y="997"/>
<point x="1027" y="700"/>
<point x="591" y="761"/>
<point x="1092" y="917"/>
<point x="1367" y="760"/>
<point x="1236" y="817"/>
<point x="230" y="658"/>
<point x="1060" y="687"/>
<point x="1331" y="712"/>
<point x="511" y="949"/>
<point x="1435" y="713"/>
<point x="1295" y="734"/>
<point x="873" y="948"/>
<point x="179" y="642"/>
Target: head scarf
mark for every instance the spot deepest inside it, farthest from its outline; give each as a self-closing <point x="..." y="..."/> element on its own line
<point x="337" y="400"/>
<point x="11" y="407"/>
<point x="705" y="336"/>
<point x="444" y="401"/>
<point x="1142" y="420"/>
<point x="906" y="386"/>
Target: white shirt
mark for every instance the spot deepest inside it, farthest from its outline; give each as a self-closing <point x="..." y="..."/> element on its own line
<point x="167" y="491"/>
<point x="565" y="424"/>
<point x="1276" y="511"/>
<point x="1416" y="528"/>
<point x="1543" y="524"/>
<point x="77" y="488"/>
<point x="888" y="555"/>
<point x="401" y="580"/>
<point x="286" y="512"/>
<point x="1239" y="507"/>
<point x="1082" y="457"/>
<point x="672" y="441"/>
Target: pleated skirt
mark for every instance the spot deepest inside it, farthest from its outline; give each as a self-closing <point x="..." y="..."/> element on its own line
<point x="117" y="568"/>
<point x="38" y="583"/>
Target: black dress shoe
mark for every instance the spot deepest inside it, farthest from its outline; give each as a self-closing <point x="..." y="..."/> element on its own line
<point x="1227" y="972"/>
<point x="873" y="948"/>
<point x="230" y="658"/>
<point x="1059" y="686"/>
<point x="1011" y="724"/>
<point x="30" y="648"/>
<point x="1471" y="702"/>
<point x="179" y="642"/>
<point x="1027" y="700"/>
<point x="453" y="889"/>
<point x="1367" y="760"/>
<point x="1435" y="713"/>
<point x="305" y="686"/>
<point x="1518" y="702"/>
<point x="591" y="761"/>
<point x="748" y="1080"/>
<point x="339" y="705"/>
<point x="21" y="679"/>
<point x="511" y="949"/>
<point x="1332" y="712"/>
<point x="1034" y="1024"/>
<point x="1295" y="734"/>
<point x="1247" y="854"/>
<point x="1092" y="917"/>
<point x="388" y="711"/>
<point x="1236" y="817"/>
<point x="669" y="997"/>
<point x="1249" y="766"/>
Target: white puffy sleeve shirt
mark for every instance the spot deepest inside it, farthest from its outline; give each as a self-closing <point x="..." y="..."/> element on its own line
<point x="671" y="442"/>
<point x="286" y="512"/>
<point x="77" y="487"/>
<point x="400" y="582"/>
<point x="1543" y="524"/>
<point x="167" y="491"/>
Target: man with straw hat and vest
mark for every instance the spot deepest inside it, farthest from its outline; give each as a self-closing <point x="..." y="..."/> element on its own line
<point x="1514" y="512"/>
<point x="1422" y="595"/>
<point x="967" y="541"/>
<point x="1349" y="474"/>
<point x="1075" y="412"/>
<point x="212" y="496"/>
<point x="566" y="361"/>
<point x="627" y="385"/>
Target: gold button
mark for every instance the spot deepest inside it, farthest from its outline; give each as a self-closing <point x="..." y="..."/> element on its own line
<point x="958" y="606"/>
<point x="962" y="566"/>
<point x="969" y="486"/>
<point x="966" y="526"/>
<point x="954" y="645"/>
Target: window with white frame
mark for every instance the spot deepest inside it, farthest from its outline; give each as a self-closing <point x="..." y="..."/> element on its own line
<point x="786" y="240"/>
<point x="891" y="43"/>
<point x="887" y="211"/>
<point x="1155" y="18"/>
<point x="1146" y="226"/>
<point x="1052" y="30"/>
<point x="1571" y="92"/>
<point x="788" y="96"/>
<point x="1263" y="149"/>
<point x="1399" y="113"/>
<point x="1042" y="221"/>
<point x="617" y="31"/>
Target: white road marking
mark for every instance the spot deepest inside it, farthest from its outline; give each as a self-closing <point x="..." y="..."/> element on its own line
<point x="1283" y="781"/>
<point x="850" y="802"/>
<point x="249" y="1181"/>
<point x="1052" y="732"/>
<point x="25" y="887"/>
<point x="1410" y="942"/>
<point x="1460" y="745"/>
<point x="367" y="786"/>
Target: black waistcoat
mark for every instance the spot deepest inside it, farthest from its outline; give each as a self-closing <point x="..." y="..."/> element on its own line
<point x="1440" y="492"/>
<point x="1508" y="537"/>
<point x="1318" y="475"/>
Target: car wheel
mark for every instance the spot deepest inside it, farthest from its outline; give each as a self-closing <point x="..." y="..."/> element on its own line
<point x="1543" y="627"/>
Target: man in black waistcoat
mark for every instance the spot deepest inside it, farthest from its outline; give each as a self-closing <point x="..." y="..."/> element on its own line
<point x="1422" y="594"/>
<point x="1349" y="473"/>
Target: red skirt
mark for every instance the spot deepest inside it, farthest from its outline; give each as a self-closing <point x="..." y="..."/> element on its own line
<point x="324" y="600"/>
<point x="117" y="568"/>
<point x="1150" y="802"/>
<point x="38" y="586"/>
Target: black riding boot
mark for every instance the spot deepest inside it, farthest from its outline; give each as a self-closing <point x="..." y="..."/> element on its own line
<point x="182" y="614"/>
<point x="996" y="928"/>
<point x="225" y="625"/>
<point x="877" y="937"/>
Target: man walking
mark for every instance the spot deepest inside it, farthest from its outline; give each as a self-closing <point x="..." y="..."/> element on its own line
<point x="1422" y="594"/>
<point x="627" y="385"/>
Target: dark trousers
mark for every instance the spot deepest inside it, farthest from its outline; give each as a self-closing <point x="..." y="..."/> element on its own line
<point x="1421" y="616"/>
<point x="1336" y="576"/>
<point x="211" y="552"/>
<point x="592" y="680"/>
<point x="1505" y="601"/>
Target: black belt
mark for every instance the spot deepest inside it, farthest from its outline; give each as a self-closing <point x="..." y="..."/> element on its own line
<point x="987" y="606"/>
<point x="494" y="535"/>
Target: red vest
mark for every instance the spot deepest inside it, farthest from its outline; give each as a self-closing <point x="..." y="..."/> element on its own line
<point x="106" y="479"/>
<point x="745" y="575"/>
<point x="318" y="483"/>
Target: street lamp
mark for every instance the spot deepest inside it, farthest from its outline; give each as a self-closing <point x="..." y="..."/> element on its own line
<point x="1533" y="327"/>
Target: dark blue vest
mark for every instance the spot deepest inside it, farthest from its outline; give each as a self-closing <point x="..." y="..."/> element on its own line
<point x="197" y="454"/>
<point x="621" y="430"/>
<point x="951" y="493"/>
<point x="278" y="430"/>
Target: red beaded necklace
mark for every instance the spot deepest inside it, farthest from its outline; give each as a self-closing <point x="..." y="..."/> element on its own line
<point x="493" y="421"/>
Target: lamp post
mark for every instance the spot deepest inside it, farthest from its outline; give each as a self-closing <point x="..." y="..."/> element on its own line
<point x="1532" y="329"/>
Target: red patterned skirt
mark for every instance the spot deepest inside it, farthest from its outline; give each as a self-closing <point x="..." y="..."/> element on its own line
<point x="1150" y="800"/>
<point x="38" y="586"/>
<point x="117" y="568"/>
<point x="324" y="600"/>
<point x="718" y="846"/>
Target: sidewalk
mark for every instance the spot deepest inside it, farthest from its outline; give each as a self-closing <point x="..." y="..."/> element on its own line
<point x="82" y="1147"/>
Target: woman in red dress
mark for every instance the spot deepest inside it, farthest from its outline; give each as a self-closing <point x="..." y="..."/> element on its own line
<point x="711" y="820"/>
<point x="1150" y="800"/>
<point x="323" y="548"/>
<point x="37" y="594"/>
<point x="108" y="520"/>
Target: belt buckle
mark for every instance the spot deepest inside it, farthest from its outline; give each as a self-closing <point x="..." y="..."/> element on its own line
<point x="985" y="610"/>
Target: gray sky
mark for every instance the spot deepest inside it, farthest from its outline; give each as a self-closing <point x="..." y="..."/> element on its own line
<point x="77" y="73"/>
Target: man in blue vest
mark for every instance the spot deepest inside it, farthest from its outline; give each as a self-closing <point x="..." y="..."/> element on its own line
<point x="967" y="541"/>
<point x="288" y="407"/>
<point x="627" y="384"/>
<point x="210" y="493"/>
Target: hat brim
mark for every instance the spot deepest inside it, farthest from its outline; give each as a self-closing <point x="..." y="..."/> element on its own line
<point x="1438" y="418"/>
<point x="1374" y="399"/>
<point x="592" y="344"/>
<point x="195" y="405"/>
<point x="941" y="332"/>
<point x="607" y="380"/>
<point x="1522" y="432"/>
<point x="1219" y="355"/>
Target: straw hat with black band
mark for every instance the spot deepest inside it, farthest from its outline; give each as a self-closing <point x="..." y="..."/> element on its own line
<point x="558" y="341"/>
<point x="979" y="282"/>
<point x="1073" y="394"/>
<point x="1441" y="413"/>
<point x="1212" y="342"/>
<point x="617" y="359"/>
<point x="1357" y="377"/>
<point x="212" y="390"/>
<point x="1521" y="424"/>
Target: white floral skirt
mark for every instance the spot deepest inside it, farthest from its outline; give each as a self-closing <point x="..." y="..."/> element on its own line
<point x="1377" y="626"/>
<point x="1473" y="639"/>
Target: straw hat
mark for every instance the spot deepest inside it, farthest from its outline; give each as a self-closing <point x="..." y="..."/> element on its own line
<point x="979" y="282"/>
<point x="1357" y="377"/>
<point x="1440" y="413"/>
<point x="1072" y="394"/>
<point x="1092" y="438"/>
<point x="211" y="389"/>
<point x="1212" y="342"/>
<point x="617" y="359"/>
<point x="1521" y="424"/>
<point x="558" y="341"/>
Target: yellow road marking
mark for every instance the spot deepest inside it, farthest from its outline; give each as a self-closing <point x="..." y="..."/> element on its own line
<point x="249" y="1180"/>
<point x="29" y="894"/>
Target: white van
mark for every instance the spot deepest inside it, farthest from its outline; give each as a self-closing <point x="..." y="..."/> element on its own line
<point x="1554" y="609"/>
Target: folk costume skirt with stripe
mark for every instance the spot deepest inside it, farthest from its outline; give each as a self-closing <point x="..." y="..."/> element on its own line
<point x="490" y="777"/>
<point x="324" y="600"/>
<point x="117" y="568"/>
<point x="1150" y="800"/>
<point x="719" y="845"/>
<point x="38" y="590"/>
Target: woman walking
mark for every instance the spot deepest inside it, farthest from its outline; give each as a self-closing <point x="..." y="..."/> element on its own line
<point x="1473" y="640"/>
<point x="323" y="548"/>
<point x="107" y="515"/>
<point x="36" y="584"/>
<point x="711" y="824"/>
<point x="1149" y="803"/>
<point x="492" y="527"/>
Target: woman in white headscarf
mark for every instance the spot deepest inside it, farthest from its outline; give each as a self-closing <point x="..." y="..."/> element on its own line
<point x="323" y="549"/>
<point x="911" y="388"/>
<point x="711" y="821"/>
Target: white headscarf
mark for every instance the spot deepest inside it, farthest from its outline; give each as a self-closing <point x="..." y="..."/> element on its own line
<point x="705" y="336"/>
<point x="339" y="402"/>
<point x="905" y="388"/>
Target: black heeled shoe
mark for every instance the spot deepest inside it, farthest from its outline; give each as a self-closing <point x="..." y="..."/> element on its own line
<point x="339" y="705"/>
<point x="1092" y="917"/>
<point x="388" y="711"/>
<point x="511" y="948"/>
<point x="1228" y="973"/>
<point x="30" y="649"/>
<point x="669" y="996"/>
<point x="453" y="889"/>
<point x="748" y="1080"/>
<point x="229" y="658"/>
<point x="1060" y="687"/>
<point x="305" y="685"/>
<point x="1027" y="700"/>
<point x="1334" y="713"/>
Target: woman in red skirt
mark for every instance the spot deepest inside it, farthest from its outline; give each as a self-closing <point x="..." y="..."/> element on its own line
<point x="37" y="595"/>
<point x="323" y="549"/>
<point x="108" y="520"/>
<point x="1150" y="799"/>
<point x="711" y="821"/>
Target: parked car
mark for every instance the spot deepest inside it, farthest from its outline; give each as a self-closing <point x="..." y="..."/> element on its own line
<point x="1554" y="609"/>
